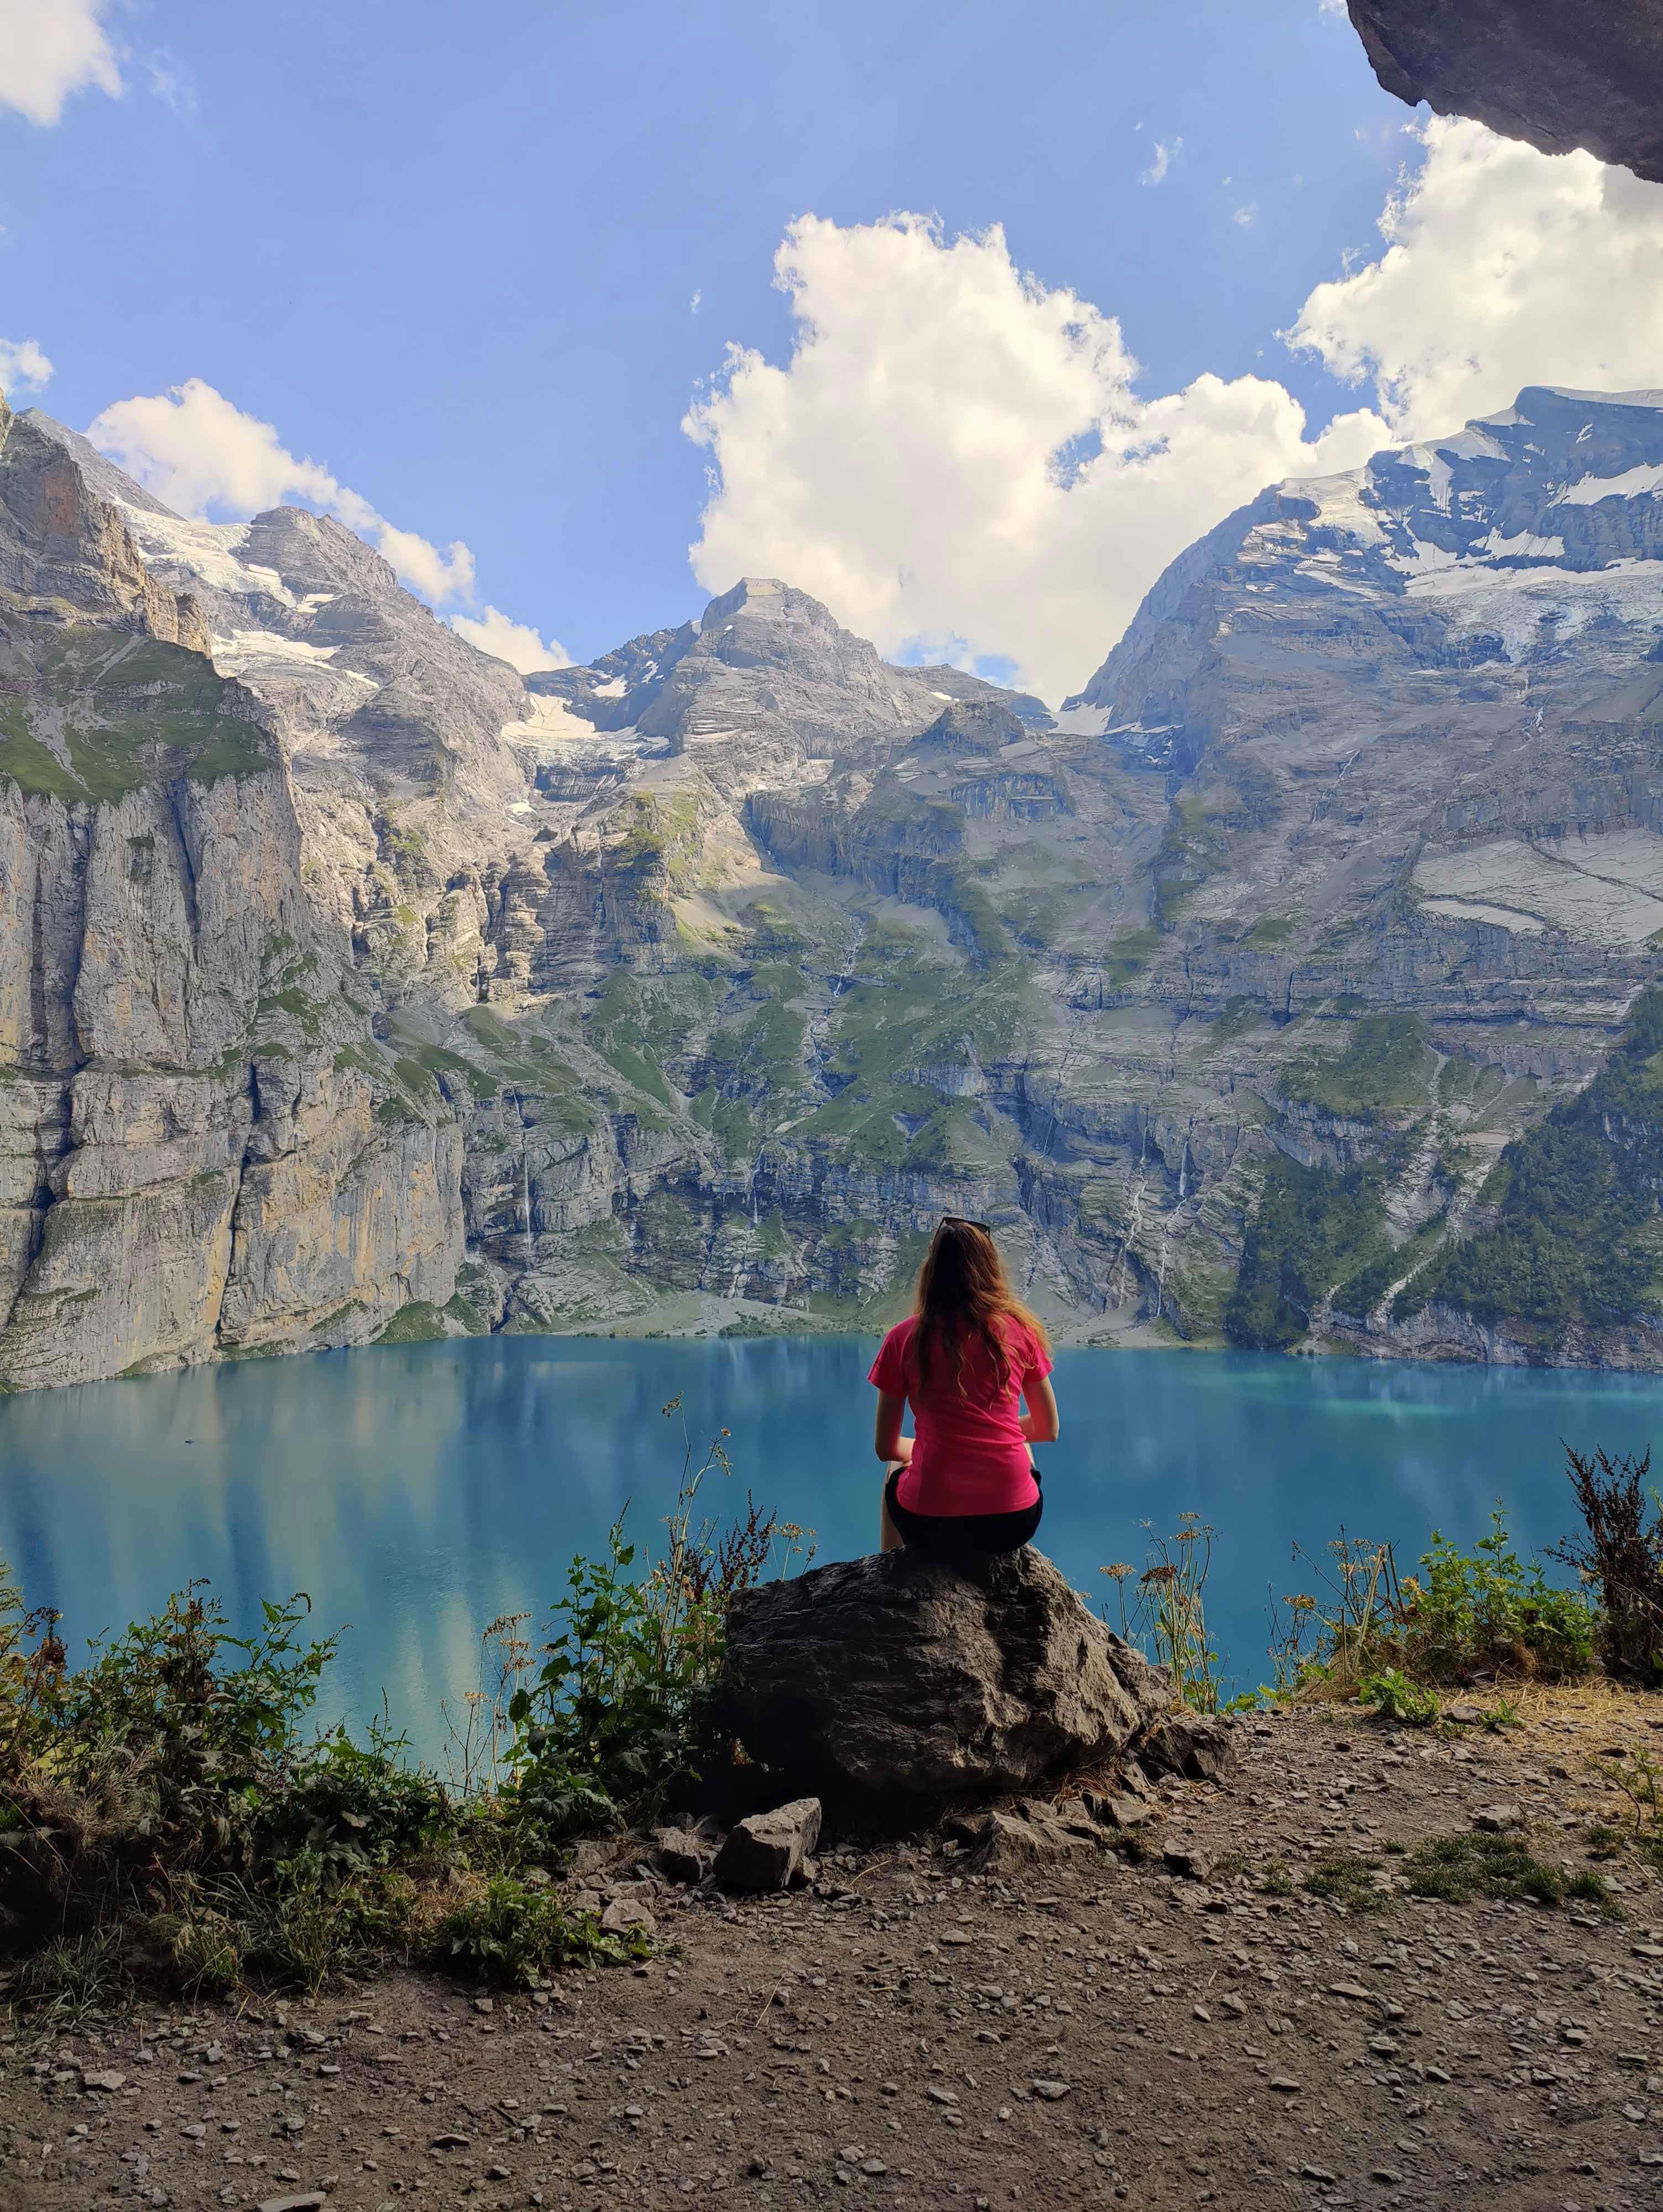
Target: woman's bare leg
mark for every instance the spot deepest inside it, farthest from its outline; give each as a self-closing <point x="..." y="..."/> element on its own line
<point x="889" y="1535"/>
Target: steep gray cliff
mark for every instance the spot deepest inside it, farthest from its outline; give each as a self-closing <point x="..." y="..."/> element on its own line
<point x="201" y="1150"/>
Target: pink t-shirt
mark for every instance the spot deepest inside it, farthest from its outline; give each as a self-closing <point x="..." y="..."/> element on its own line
<point x="969" y="1455"/>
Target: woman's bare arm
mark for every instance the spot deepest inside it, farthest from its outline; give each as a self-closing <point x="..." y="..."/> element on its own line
<point x="1040" y="1424"/>
<point x="887" y="1439"/>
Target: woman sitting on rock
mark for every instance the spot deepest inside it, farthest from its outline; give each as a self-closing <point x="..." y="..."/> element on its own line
<point x="965" y="1361"/>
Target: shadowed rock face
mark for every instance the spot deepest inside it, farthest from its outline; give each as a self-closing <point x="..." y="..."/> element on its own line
<point x="1556" y="76"/>
<point x="900" y="1678"/>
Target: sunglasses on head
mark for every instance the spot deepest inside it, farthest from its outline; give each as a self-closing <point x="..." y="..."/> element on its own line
<point x="962" y="1221"/>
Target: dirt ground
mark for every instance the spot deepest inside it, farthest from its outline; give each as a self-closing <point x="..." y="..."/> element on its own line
<point x="1091" y="2031"/>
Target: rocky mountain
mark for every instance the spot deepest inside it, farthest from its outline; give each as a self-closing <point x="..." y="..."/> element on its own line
<point x="1288" y="986"/>
<point x="202" y="1147"/>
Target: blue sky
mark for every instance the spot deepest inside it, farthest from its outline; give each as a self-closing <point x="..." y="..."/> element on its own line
<point x="452" y="255"/>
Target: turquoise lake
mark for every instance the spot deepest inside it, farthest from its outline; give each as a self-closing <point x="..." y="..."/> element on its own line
<point x="416" y="1492"/>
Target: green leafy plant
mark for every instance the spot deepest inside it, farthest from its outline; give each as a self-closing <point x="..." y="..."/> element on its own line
<point x="515" y="1933"/>
<point x="1394" y="1697"/>
<point x="170" y="1804"/>
<point x="1484" y="1611"/>
<point x="617" y="1712"/>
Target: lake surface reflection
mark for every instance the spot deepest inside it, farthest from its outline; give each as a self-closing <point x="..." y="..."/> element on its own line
<point x="417" y="1492"/>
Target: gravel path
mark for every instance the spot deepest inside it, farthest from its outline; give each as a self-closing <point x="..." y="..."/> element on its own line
<point x="1087" y="2031"/>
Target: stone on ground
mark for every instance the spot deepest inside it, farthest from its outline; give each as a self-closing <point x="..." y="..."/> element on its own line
<point x="908" y="1678"/>
<point x="683" y="1854"/>
<point x="1198" y="1746"/>
<point x="768" y="1850"/>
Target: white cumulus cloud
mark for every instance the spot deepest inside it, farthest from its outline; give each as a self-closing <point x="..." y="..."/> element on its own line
<point x="1502" y="267"/>
<point x="49" y="49"/>
<point x="1165" y="154"/>
<point x="956" y="455"/>
<point x="199" y="454"/>
<point x="517" y="643"/>
<point x="23" y="367"/>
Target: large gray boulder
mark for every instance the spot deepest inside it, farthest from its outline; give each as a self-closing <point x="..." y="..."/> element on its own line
<point x="899" y="1676"/>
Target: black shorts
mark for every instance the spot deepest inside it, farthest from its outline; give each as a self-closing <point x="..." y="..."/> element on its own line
<point x="963" y="1532"/>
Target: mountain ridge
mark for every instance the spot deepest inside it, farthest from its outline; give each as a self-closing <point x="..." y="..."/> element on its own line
<point x="1239" y="991"/>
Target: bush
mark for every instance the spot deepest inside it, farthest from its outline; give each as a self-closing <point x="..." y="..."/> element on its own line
<point x="167" y="1797"/>
<point x="166" y="1806"/>
<point x="617" y="1716"/>
<point x="1395" y="1697"/>
<point x="1464" y="1615"/>
<point x="1621" y="1556"/>
<point x="1485" y="1611"/>
<point x="515" y="1933"/>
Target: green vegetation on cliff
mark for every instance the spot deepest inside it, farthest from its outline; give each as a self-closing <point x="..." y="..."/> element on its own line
<point x="1575" y="1233"/>
<point x="131" y="713"/>
<point x="1315" y="1229"/>
<point x="1385" y="1069"/>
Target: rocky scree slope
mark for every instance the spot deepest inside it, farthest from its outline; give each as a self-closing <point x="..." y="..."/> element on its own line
<point x="1287" y="986"/>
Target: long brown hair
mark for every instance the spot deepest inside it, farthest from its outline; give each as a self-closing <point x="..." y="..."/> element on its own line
<point x="963" y="1292"/>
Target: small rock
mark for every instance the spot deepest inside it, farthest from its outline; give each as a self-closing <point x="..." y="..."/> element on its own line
<point x="449" y="2143"/>
<point x="682" y="1854"/>
<point x="107" y="2081"/>
<point x="484" y="2004"/>
<point x="1388" y="2174"/>
<point x="1195" y="1745"/>
<point x="1496" y="1820"/>
<point x="1116" y="1809"/>
<point x="310" y="2200"/>
<point x="1189" y="1862"/>
<point x="765" y="1851"/>
<point x="1051" y="2091"/>
<point x="1025" y="1838"/>
<point x="1465" y="1713"/>
<point x="1285" y="2084"/>
<point x="624" y="1914"/>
